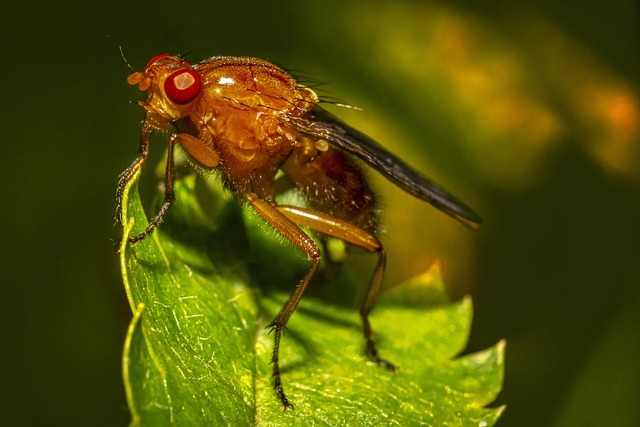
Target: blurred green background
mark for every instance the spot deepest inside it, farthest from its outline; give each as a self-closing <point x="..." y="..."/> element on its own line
<point x="529" y="112"/>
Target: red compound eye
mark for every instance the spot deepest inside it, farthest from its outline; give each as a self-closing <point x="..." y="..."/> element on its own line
<point x="154" y="59"/>
<point x="183" y="86"/>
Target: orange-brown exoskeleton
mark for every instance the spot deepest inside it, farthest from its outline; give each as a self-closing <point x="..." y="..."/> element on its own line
<point x="250" y="119"/>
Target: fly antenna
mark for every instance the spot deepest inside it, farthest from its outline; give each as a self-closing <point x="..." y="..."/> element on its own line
<point x="125" y="59"/>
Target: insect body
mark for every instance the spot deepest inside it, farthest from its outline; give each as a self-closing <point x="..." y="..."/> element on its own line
<point x="250" y="119"/>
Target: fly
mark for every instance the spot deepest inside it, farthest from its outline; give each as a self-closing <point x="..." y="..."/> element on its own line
<point x="249" y="119"/>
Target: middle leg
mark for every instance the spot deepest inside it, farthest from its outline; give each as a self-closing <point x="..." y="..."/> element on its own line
<point x="286" y="227"/>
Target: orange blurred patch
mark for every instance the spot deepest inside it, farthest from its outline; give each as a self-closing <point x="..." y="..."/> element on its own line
<point x="479" y="76"/>
<point x="602" y="111"/>
<point x="618" y="111"/>
<point x="515" y="94"/>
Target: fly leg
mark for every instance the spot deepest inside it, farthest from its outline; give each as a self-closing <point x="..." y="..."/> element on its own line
<point x="367" y="305"/>
<point x="285" y="226"/>
<point x="127" y="175"/>
<point x="334" y="227"/>
<point x="168" y="193"/>
<point x="198" y="149"/>
<point x="148" y="124"/>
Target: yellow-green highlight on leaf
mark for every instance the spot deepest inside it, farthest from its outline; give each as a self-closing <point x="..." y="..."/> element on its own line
<point x="203" y="288"/>
<point x="424" y="290"/>
<point x="127" y="362"/>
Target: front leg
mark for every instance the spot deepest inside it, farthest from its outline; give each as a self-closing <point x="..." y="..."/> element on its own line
<point x="200" y="150"/>
<point x="169" y="194"/>
<point x="127" y="175"/>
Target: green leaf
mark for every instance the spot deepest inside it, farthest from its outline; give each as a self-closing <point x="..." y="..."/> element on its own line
<point x="206" y="283"/>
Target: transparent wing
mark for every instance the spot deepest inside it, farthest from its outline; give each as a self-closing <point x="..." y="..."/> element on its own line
<point x="320" y="123"/>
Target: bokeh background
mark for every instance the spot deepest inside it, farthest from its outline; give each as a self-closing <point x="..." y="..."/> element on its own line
<point x="528" y="111"/>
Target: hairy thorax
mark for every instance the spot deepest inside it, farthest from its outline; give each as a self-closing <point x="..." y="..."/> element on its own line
<point x="240" y="115"/>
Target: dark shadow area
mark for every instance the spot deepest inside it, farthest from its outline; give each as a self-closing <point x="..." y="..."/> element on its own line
<point x="557" y="262"/>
